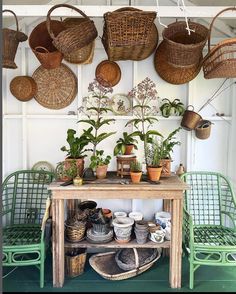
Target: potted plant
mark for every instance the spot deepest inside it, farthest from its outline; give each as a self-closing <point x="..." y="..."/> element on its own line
<point x="100" y="163"/>
<point x="135" y="171"/>
<point x="76" y="149"/>
<point x="66" y="170"/>
<point x="174" y="107"/>
<point x="154" y="153"/>
<point x="125" y="145"/>
<point x="167" y="146"/>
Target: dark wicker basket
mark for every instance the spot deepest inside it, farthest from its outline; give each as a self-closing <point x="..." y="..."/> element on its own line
<point x="23" y="88"/>
<point x="75" y="37"/>
<point x="129" y="34"/>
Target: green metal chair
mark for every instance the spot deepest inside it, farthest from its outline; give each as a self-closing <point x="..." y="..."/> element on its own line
<point x="25" y="203"/>
<point x="209" y="222"/>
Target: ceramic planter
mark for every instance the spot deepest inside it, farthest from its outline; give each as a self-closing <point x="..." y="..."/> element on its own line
<point x="123" y="228"/>
<point x="135" y="177"/>
<point x="128" y="149"/>
<point x="79" y="163"/>
<point x="101" y="171"/>
<point x="154" y="173"/>
<point x="166" y="167"/>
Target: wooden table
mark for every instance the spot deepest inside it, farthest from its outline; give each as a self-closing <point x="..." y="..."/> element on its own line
<point x="169" y="189"/>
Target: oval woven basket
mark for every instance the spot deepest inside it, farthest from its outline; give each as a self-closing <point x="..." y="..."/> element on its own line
<point x="57" y="87"/>
<point x="75" y="233"/>
<point x="74" y="37"/>
<point x="23" y="88"/>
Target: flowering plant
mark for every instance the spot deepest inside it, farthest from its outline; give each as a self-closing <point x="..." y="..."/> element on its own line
<point x="144" y="94"/>
<point x="99" y="105"/>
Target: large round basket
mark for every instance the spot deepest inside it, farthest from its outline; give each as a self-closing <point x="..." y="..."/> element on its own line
<point x="57" y="87"/>
<point x="23" y="88"/>
<point x="105" y="265"/>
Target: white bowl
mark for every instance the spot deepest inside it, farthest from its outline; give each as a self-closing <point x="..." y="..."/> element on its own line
<point x="137" y="216"/>
<point x="122" y="222"/>
<point x="120" y="214"/>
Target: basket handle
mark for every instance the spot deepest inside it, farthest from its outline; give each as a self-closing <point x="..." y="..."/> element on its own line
<point x="209" y="36"/>
<point x="136" y="258"/>
<point x="43" y="48"/>
<point x="7" y="10"/>
<point x="57" y="6"/>
<point x="190" y="106"/>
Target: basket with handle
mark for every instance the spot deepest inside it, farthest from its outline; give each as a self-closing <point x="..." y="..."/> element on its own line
<point x="220" y="61"/>
<point x="190" y="119"/>
<point x="74" y="37"/>
<point x="129" y="34"/>
<point x="41" y="44"/>
<point x="183" y="49"/>
<point x="11" y="39"/>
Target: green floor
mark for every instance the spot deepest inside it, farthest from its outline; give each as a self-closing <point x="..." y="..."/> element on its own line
<point x="207" y="279"/>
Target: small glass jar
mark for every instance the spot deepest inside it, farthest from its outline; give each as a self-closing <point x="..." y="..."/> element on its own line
<point x="78" y="181"/>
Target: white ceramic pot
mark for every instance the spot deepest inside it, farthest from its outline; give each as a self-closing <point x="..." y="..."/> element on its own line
<point x="120" y="214"/>
<point x="137" y="216"/>
<point x="123" y="227"/>
<point x="157" y="236"/>
<point x="163" y="218"/>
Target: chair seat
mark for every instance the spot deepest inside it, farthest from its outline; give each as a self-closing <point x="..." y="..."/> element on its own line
<point x="214" y="236"/>
<point x="21" y="235"/>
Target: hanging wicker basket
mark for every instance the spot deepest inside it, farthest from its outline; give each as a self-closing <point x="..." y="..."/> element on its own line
<point x="129" y="34"/>
<point x="203" y="129"/>
<point x="183" y="49"/>
<point x="57" y="87"/>
<point x="23" y="88"/>
<point x="11" y="39"/>
<point x="83" y="55"/>
<point x="75" y="37"/>
<point x="190" y="119"/>
<point x="41" y="44"/>
<point x="220" y="62"/>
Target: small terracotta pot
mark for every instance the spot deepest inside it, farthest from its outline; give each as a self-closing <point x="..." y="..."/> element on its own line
<point x="101" y="171"/>
<point x="135" y="177"/>
<point x="79" y="163"/>
<point x="166" y="167"/>
<point x="154" y="173"/>
<point x="128" y="149"/>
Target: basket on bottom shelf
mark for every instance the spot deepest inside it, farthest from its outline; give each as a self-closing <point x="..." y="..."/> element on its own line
<point x="75" y="262"/>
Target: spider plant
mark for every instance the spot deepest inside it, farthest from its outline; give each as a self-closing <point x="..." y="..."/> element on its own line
<point x="174" y="107"/>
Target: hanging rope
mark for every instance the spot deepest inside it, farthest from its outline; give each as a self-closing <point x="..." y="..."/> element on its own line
<point x="158" y="15"/>
<point x="183" y="8"/>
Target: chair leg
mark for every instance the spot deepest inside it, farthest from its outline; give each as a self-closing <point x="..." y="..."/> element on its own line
<point x="191" y="275"/>
<point x="42" y="268"/>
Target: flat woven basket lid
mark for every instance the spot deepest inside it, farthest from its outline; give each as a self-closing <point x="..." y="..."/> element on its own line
<point x="109" y="71"/>
<point x="57" y="87"/>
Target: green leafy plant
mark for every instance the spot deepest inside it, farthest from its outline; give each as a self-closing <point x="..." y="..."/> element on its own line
<point x="76" y="145"/>
<point x="144" y="93"/>
<point x="99" y="94"/>
<point x="66" y="170"/>
<point x="99" y="159"/>
<point x="135" y="166"/>
<point x="122" y="142"/>
<point x="154" y="153"/>
<point x="174" y="107"/>
<point x="167" y="145"/>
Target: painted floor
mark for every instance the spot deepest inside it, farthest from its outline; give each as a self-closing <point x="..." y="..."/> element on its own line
<point x="207" y="279"/>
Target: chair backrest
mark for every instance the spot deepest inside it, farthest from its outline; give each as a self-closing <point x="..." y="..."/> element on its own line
<point x="210" y="197"/>
<point x="24" y="195"/>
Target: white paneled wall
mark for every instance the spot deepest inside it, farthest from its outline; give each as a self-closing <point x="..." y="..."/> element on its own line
<point x="33" y="133"/>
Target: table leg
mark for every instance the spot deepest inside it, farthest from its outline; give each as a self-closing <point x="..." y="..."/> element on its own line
<point x="58" y="242"/>
<point x="175" y="270"/>
<point x="166" y="207"/>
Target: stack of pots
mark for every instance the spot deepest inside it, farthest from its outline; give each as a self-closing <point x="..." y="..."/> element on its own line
<point x="123" y="228"/>
<point x="141" y="231"/>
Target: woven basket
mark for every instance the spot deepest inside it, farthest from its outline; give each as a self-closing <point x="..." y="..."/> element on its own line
<point x="203" y="129"/>
<point x="74" y="265"/>
<point x="220" y="61"/>
<point x="183" y="49"/>
<point x="83" y="55"/>
<point x="190" y="119"/>
<point x="57" y="87"/>
<point x="41" y="44"/>
<point x="129" y="34"/>
<point x="105" y="265"/>
<point x="75" y="233"/>
<point x="23" y="88"/>
<point x="75" y="37"/>
<point x="10" y="42"/>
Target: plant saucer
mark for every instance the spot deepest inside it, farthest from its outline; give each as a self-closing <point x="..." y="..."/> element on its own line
<point x="126" y="156"/>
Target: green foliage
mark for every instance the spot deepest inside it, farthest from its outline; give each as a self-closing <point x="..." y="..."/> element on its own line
<point x="66" y="169"/>
<point x="174" y="107"/>
<point x="168" y="144"/>
<point x="99" y="159"/>
<point x="153" y="153"/>
<point x="135" y="166"/>
<point x="76" y="144"/>
<point x="122" y="142"/>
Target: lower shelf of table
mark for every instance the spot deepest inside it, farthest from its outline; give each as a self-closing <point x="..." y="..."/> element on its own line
<point x="114" y="244"/>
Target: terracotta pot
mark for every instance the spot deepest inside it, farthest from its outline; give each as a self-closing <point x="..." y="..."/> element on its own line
<point x="166" y="166"/>
<point x="154" y="173"/>
<point x="136" y="177"/>
<point x="128" y="149"/>
<point x="101" y="171"/>
<point x="79" y="163"/>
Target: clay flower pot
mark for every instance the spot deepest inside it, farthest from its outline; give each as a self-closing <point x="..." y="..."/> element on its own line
<point x="101" y="171"/>
<point x="166" y="167"/>
<point x="135" y="177"/>
<point x="128" y="149"/>
<point x="79" y="163"/>
<point x="154" y="173"/>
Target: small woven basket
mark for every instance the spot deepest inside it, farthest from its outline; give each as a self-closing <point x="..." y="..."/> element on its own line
<point x="10" y="42"/>
<point x="129" y="34"/>
<point x="190" y="119"/>
<point x="74" y="265"/>
<point x="41" y="44"/>
<point x="183" y="49"/>
<point x="220" y="61"/>
<point x="23" y="88"/>
<point x="203" y="129"/>
<point x="75" y="233"/>
<point x="75" y="37"/>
